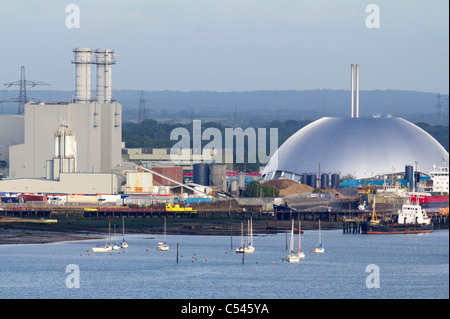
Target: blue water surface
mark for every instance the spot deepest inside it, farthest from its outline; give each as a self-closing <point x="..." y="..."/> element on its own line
<point x="354" y="266"/>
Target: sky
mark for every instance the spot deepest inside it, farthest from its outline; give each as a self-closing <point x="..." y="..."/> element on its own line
<point x="232" y="45"/>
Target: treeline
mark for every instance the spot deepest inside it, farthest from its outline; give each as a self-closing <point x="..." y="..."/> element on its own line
<point x="153" y="134"/>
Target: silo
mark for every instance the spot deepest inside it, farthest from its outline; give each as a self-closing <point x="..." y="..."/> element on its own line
<point x="241" y="181"/>
<point x="201" y="174"/>
<point x="324" y="181"/>
<point x="217" y="175"/>
<point x="313" y="181"/>
<point x="334" y="180"/>
<point x="408" y="172"/>
<point x="304" y="178"/>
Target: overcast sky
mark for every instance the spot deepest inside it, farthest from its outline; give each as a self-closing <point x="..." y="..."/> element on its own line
<point x="232" y="45"/>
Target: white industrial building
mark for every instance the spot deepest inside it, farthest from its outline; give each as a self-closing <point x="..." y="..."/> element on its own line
<point x="67" y="147"/>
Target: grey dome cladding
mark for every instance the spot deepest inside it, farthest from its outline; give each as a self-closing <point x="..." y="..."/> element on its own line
<point x="356" y="146"/>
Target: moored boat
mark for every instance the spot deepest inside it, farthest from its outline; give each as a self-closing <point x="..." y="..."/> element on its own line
<point x="411" y="219"/>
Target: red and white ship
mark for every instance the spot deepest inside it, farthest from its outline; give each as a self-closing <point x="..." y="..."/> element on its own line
<point x="435" y="192"/>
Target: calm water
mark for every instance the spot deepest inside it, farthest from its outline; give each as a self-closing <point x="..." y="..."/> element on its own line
<point x="410" y="266"/>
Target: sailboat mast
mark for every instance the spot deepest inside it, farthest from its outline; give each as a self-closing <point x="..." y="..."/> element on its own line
<point x="251" y="231"/>
<point x="164" y="228"/>
<point x="109" y="230"/>
<point x="242" y="234"/>
<point x="123" y="228"/>
<point x="299" y="232"/>
<point x="320" y="234"/>
<point x="292" y="237"/>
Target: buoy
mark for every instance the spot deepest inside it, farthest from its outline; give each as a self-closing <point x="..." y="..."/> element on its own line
<point x="147" y="249"/>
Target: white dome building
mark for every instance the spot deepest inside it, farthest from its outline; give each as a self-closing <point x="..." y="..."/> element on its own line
<point x="362" y="147"/>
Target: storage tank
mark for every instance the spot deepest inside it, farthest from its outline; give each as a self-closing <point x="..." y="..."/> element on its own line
<point x="324" y="181"/>
<point x="408" y="175"/>
<point x="313" y="181"/>
<point x="334" y="180"/>
<point x="217" y="175"/>
<point x="241" y="181"/>
<point x="201" y="174"/>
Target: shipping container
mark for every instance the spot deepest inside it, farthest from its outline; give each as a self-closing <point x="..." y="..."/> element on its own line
<point x="33" y="198"/>
<point x="82" y="199"/>
<point x="12" y="200"/>
<point x="197" y="200"/>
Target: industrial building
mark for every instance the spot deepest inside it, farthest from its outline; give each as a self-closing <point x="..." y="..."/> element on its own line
<point x="68" y="146"/>
<point x="354" y="146"/>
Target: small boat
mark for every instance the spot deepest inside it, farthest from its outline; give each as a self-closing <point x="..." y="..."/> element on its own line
<point x="163" y="246"/>
<point x="320" y="249"/>
<point x="124" y="244"/>
<point x="295" y="254"/>
<point x="106" y="246"/>
<point x="101" y="248"/>
<point x="411" y="219"/>
<point x="249" y="248"/>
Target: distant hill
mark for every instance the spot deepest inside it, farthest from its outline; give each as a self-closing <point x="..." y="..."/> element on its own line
<point x="236" y="107"/>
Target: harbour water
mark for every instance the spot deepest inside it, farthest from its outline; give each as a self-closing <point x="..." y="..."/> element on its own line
<point x="354" y="266"/>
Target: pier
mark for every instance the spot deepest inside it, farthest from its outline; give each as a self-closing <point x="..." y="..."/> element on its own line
<point x="351" y="219"/>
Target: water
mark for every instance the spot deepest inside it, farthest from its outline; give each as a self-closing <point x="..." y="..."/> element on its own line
<point x="410" y="266"/>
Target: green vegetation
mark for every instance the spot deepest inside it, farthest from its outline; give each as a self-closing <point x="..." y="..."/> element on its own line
<point x="153" y="134"/>
<point x="256" y="189"/>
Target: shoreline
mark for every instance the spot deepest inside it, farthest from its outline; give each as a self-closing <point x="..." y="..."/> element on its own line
<point x="85" y="229"/>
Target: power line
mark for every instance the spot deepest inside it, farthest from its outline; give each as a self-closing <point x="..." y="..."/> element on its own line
<point x="142" y="114"/>
<point x="22" y="99"/>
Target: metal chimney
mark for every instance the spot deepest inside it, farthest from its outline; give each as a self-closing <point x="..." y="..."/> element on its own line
<point x="353" y="91"/>
<point x="82" y="63"/>
<point x="357" y="90"/>
<point x="355" y="109"/>
<point x="104" y="60"/>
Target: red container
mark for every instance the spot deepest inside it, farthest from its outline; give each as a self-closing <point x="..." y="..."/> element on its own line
<point x="33" y="198"/>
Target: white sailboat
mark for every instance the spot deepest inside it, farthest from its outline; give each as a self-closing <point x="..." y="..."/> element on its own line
<point x="240" y="250"/>
<point x="115" y="246"/>
<point x="249" y="248"/>
<point x="105" y="247"/>
<point x="124" y="244"/>
<point x="320" y="249"/>
<point x="163" y="246"/>
<point x="294" y="257"/>
<point x="300" y="253"/>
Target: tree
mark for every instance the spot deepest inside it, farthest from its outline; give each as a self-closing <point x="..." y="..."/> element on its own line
<point x="256" y="189"/>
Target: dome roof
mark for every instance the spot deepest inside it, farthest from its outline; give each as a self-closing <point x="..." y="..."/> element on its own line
<point x="357" y="146"/>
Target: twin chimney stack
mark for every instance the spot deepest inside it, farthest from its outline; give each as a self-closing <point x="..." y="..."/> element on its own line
<point x="355" y="110"/>
<point x="104" y="60"/>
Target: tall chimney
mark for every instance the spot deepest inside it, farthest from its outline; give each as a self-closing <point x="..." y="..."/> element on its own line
<point x="357" y="90"/>
<point x="104" y="60"/>
<point x="353" y="91"/>
<point x="82" y="63"/>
